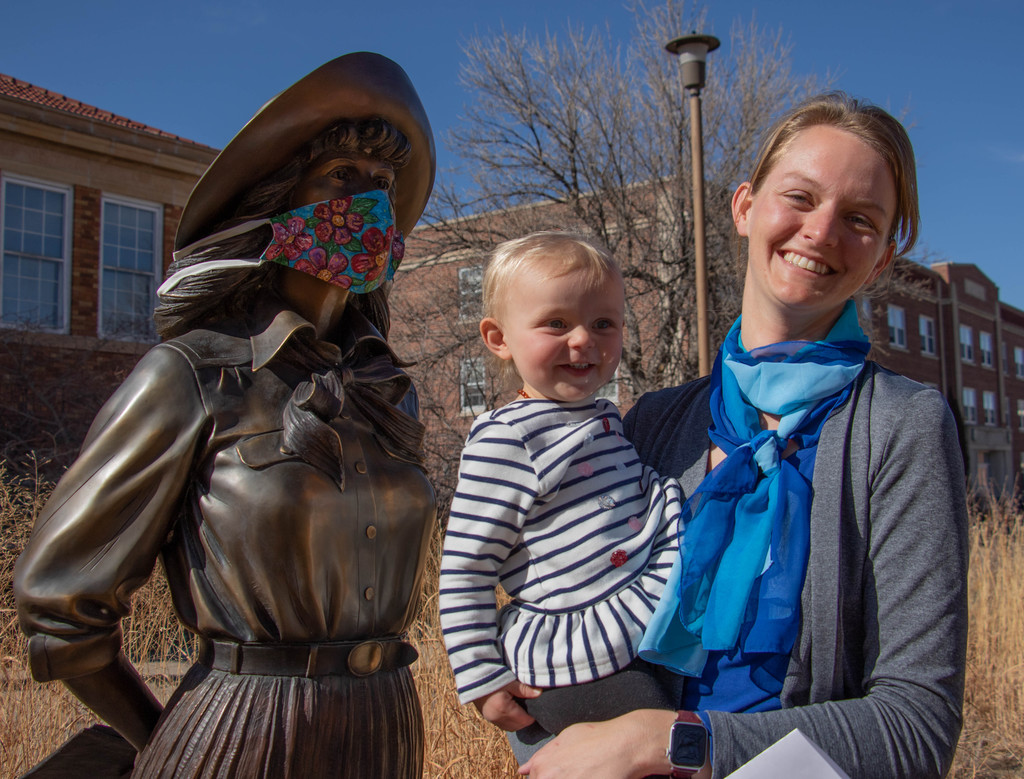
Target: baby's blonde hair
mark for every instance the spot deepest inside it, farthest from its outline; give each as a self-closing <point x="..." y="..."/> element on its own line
<point x="560" y="253"/>
<point x="554" y="253"/>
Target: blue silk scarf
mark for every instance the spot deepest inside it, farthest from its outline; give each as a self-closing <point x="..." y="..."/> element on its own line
<point x="745" y="531"/>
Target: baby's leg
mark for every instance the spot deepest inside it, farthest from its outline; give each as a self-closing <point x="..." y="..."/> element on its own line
<point x="634" y="687"/>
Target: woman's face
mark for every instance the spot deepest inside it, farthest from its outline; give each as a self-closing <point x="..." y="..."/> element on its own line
<point x="818" y="231"/>
<point x="335" y="175"/>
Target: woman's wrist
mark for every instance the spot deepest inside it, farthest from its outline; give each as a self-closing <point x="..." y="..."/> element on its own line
<point x="648" y="732"/>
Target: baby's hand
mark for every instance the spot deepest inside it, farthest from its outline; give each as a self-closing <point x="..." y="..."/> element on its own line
<point x="500" y="706"/>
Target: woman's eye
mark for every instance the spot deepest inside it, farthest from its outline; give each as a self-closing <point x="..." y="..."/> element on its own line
<point x="862" y="221"/>
<point x="801" y="198"/>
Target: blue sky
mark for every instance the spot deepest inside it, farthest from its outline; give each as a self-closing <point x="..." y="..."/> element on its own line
<point x="952" y="69"/>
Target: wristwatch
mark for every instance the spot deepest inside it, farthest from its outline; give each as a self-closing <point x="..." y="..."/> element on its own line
<point x="688" y="745"/>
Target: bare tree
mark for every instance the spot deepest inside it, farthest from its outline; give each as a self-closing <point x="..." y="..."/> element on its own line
<point x="572" y="132"/>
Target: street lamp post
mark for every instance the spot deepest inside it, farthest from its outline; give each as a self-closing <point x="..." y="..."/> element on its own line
<point x="693" y="51"/>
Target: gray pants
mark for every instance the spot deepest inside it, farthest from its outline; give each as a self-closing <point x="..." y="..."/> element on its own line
<point x="639" y="685"/>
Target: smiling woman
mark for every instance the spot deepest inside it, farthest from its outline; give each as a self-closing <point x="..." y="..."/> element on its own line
<point x="821" y="580"/>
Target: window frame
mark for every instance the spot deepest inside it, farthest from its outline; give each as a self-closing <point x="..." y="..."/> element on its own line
<point x="966" y="343"/>
<point x="927" y="338"/>
<point x="64" y="305"/>
<point x="477" y="365"/>
<point x="970" y="407"/>
<point x="157" y="210"/>
<point x="897" y="329"/>
<point x="986" y="355"/>
<point x="988" y="407"/>
<point x="470" y="293"/>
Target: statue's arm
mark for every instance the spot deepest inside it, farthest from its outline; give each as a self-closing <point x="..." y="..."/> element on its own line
<point x="98" y="536"/>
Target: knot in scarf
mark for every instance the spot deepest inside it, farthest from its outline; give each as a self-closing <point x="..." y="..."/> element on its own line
<point x="745" y="531"/>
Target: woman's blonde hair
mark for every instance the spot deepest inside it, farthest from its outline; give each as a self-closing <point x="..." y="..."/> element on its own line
<point x="555" y="254"/>
<point x="876" y="127"/>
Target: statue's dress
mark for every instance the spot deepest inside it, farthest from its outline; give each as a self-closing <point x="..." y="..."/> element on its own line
<point x="188" y="461"/>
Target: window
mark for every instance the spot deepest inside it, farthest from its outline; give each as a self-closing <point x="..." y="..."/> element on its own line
<point x="1020" y="414"/>
<point x="471" y="385"/>
<point x="130" y="262"/>
<point x="970" y="404"/>
<point x="966" y="343"/>
<point x="926" y="327"/>
<point x="988" y="403"/>
<point x="985" y="347"/>
<point x="897" y="327"/>
<point x="1003" y="359"/>
<point x="36" y="252"/>
<point x="1018" y="360"/>
<point x="471" y="292"/>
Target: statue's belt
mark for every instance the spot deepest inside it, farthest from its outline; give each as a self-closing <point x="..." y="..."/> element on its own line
<point x="335" y="658"/>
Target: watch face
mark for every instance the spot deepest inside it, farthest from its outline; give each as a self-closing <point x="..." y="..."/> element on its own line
<point x="688" y="746"/>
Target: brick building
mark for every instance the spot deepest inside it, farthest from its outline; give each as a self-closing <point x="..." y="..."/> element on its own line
<point x="89" y="203"/>
<point x="946" y="327"/>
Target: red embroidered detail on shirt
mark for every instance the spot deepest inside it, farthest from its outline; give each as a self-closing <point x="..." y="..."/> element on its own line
<point x="607" y="425"/>
<point x="619" y="558"/>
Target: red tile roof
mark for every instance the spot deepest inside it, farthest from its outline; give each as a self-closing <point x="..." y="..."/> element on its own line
<point x="22" y="90"/>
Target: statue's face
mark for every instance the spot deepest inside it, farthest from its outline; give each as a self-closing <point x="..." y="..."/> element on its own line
<point x="335" y="175"/>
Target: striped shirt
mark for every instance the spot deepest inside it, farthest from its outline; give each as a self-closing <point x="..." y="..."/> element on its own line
<point x="554" y="505"/>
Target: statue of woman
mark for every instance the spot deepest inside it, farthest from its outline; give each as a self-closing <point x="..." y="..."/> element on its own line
<point x="269" y="453"/>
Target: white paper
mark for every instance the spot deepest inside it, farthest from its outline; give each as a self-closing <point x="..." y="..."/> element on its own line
<point x="794" y="756"/>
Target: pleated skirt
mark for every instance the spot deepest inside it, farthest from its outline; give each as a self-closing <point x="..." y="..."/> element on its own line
<point x="219" y="724"/>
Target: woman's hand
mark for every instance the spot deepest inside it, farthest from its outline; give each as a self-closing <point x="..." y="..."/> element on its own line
<point x="629" y="746"/>
<point x="500" y="707"/>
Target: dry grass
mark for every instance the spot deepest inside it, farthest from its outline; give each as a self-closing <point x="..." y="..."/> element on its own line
<point x="35" y="718"/>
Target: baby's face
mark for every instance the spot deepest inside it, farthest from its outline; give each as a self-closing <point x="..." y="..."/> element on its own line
<point x="564" y="333"/>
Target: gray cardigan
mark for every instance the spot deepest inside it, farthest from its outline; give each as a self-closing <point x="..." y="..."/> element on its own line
<point x="876" y="677"/>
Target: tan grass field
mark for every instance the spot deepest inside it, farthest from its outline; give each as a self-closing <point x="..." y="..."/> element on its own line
<point x="35" y="718"/>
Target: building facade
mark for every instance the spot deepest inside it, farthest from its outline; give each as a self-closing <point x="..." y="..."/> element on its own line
<point x="946" y="327"/>
<point x="89" y="204"/>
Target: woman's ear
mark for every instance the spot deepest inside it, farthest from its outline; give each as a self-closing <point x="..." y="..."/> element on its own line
<point x="883" y="263"/>
<point x="741" y="201"/>
<point x="494" y="338"/>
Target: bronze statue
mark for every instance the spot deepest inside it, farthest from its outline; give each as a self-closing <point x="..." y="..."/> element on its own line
<point x="269" y="453"/>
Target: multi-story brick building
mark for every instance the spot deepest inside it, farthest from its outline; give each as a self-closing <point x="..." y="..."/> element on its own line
<point x="946" y="327"/>
<point x="89" y="203"/>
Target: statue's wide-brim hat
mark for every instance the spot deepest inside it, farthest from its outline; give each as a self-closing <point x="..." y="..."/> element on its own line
<point x="356" y="86"/>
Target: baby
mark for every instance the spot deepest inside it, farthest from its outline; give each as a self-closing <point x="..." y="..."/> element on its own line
<point x="554" y="505"/>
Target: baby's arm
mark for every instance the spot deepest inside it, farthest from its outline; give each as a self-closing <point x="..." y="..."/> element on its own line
<point x="497" y="487"/>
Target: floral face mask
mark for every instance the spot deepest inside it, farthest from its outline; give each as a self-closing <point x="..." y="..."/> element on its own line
<point x="351" y="242"/>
